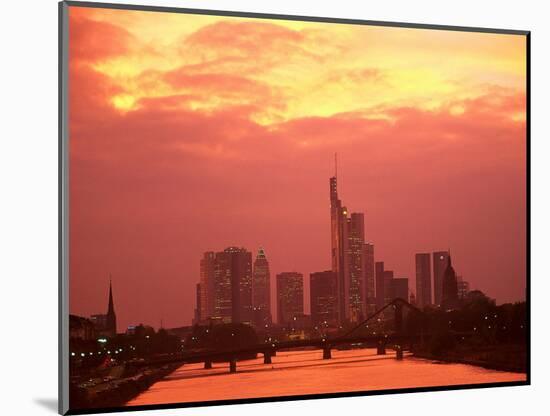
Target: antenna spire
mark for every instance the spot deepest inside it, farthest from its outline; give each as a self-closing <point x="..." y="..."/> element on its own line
<point x="336" y="165"/>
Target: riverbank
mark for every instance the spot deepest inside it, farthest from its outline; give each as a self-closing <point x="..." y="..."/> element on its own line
<point x="115" y="392"/>
<point x="511" y="358"/>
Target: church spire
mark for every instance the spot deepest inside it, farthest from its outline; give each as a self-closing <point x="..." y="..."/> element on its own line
<point x="110" y="324"/>
<point x="111" y="308"/>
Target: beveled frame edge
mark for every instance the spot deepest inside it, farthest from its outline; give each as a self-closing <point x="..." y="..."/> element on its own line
<point x="63" y="208"/>
<point x="227" y="13"/>
<point x="63" y="166"/>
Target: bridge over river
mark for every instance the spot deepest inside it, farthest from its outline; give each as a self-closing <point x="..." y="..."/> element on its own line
<point x="397" y="339"/>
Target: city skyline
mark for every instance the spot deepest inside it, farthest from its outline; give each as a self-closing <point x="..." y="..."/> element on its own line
<point x="431" y="151"/>
<point x="430" y="270"/>
<point x="233" y="289"/>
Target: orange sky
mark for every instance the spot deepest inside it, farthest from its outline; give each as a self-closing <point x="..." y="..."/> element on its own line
<point x="190" y="133"/>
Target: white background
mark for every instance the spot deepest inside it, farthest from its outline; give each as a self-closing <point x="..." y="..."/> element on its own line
<point x="28" y="204"/>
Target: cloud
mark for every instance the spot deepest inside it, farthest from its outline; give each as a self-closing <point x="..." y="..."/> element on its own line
<point x="251" y="42"/>
<point x="186" y="161"/>
<point x="357" y="75"/>
<point x="93" y="41"/>
<point x="254" y="48"/>
<point x="219" y="89"/>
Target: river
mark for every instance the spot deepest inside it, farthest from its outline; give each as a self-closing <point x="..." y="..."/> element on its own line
<point x="305" y="372"/>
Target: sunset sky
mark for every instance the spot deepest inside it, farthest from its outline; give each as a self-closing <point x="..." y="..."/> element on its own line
<point x="192" y="133"/>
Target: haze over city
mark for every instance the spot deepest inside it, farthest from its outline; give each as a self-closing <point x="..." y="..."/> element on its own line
<point x="204" y="141"/>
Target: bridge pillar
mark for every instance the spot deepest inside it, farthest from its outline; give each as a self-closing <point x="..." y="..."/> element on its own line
<point x="267" y="357"/>
<point x="381" y="349"/>
<point x="399" y="353"/>
<point x="232" y="365"/>
<point x="327" y="353"/>
<point x="207" y="365"/>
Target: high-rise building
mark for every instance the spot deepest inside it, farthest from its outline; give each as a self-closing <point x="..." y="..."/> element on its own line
<point x="356" y="266"/>
<point x="339" y="249"/>
<point x="223" y="294"/>
<point x="261" y="294"/>
<point x="423" y="280"/>
<point x="233" y="285"/>
<point x="400" y="288"/>
<point x="388" y="288"/>
<point x="290" y="296"/>
<point x="207" y="282"/>
<point x="198" y="295"/>
<point x="348" y="258"/>
<point x="384" y="293"/>
<point x="369" y="292"/>
<point x="450" y="287"/>
<point x="463" y="287"/>
<point x="379" y="272"/>
<point x="323" y="299"/>
<point x="440" y="260"/>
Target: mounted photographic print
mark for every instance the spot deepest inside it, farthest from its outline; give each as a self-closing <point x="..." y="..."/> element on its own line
<point x="262" y="207"/>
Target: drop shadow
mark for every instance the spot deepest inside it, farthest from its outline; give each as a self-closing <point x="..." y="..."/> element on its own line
<point x="48" y="403"/>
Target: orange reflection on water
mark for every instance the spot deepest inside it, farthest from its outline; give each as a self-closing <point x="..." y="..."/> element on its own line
<point x="305" y="372"/>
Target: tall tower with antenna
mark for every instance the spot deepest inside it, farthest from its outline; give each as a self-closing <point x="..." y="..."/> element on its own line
<point x="339" y="245"/>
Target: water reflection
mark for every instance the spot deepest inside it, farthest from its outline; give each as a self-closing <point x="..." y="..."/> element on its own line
<point x="305" y="372"/>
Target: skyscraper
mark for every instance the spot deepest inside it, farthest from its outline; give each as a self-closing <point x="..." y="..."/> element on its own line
<point x="423" y="280"/>
<point x="356" y="266"/>
<point x="450" y="287"/>
<point x="400" y="288"/>
<point x="261" y="294"/>
<point x="233" y="285"/>
<point x="223" y="294"/>
<point x="339" y="249"/>
<point x="348" y="257"/>
<point x="369" y="292"/>
<point x="290" y="296"/>
<point x="388" y="288"/>
<point x="207" y="288"/>
<point x="198" y="295"/>
<point x="323" y="299"/>
<point x="380" y="292"/>
<point x="440" y="260"/>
